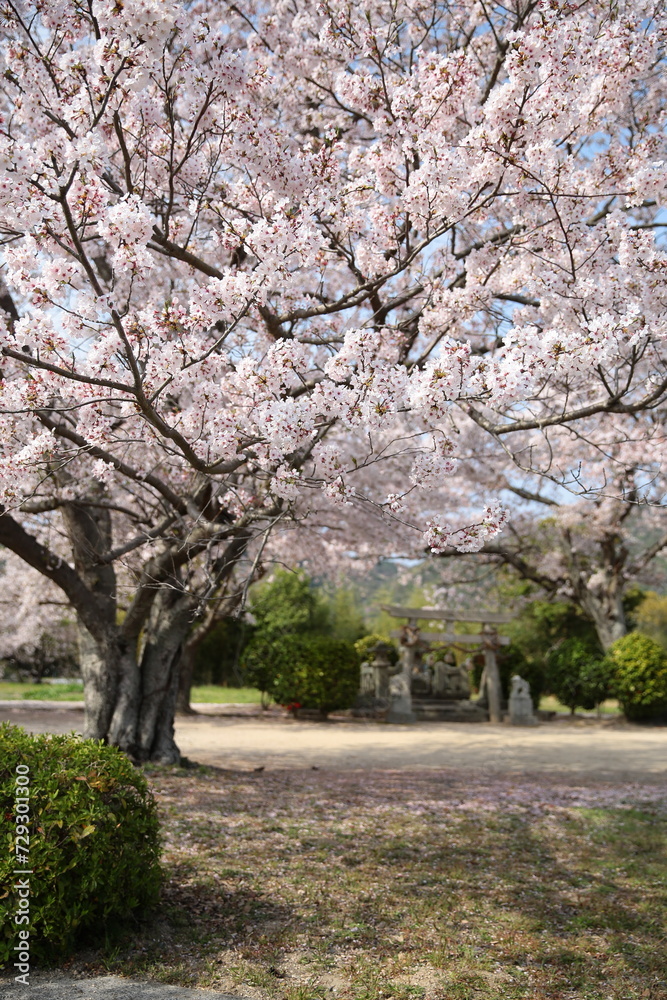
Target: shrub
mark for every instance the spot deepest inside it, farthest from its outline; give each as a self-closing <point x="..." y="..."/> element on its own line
<point x="650" y="617"/>
<point x="577" y="674"/>
<point x="638" y="665"/>
<point x="311" y="671"/>
<point x="94" y="844"/>
<point x="366" y="645"/>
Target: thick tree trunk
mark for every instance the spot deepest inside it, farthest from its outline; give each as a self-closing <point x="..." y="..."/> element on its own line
<point x="130" y="701"/>
<point x="98" y="670"/>
<point x="602" y="601"/>
<point x="185" y="675"/>
<point x="170" y="620"/>
<point x="127" y="703"/>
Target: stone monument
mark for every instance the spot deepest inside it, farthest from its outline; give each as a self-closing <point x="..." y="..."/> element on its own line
<point x="373" y="697"/>
<point x="367" y="679"/>
<point x="450" y="681"/>
<point x="520" y="703"/>
<point x="400" y="706"/>
<point x="400" y="685"/>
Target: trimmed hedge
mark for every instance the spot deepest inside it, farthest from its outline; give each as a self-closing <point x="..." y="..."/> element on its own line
<point x="306" y="671"/>
<point x="94" y="841"/>
<point x="639" y="676"/>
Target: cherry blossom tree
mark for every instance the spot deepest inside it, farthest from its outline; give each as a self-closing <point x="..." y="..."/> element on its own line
<point x="589" y="542"/>
<point x="36" y="620"/>
<point x="240" y="239"/>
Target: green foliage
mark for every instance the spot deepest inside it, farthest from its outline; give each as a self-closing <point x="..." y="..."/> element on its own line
<point x="542" y="624"/>
<point x="633" y="599"/>
<point x="513" y="660"/>
<point x="309" y="671"/>
<point x="345" y="617"/>
<point x="650" y="617"/>
<point x="288" y="608"/>
<point x="638" y="665"/>
<point x="288" y="603"/>
<point x="578" y="674"/>
<point x="540" y="627"/>
<point x="218" y="654"/>
<point x="367" y="643"/>
<point x="94" y="839"/>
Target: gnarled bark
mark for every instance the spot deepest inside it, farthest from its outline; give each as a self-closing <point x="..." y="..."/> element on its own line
<point x="169" y="622"/>
<point x="130" y="687"/>
<point x="602" y="601"/>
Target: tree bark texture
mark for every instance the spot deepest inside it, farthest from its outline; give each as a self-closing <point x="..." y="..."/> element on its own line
<point x="602" y="600"/>
<point x="130" y="668"/>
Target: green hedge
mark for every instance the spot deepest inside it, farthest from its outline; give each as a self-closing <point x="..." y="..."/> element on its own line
<point x="94" y="840"/>
<point x="307" y="671"/>
<point x="639" y="676"/>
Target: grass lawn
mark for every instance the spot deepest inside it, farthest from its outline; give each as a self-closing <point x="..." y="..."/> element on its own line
<point x="549" y="703"/>
<point x="212" y="694"/>
<point x="208" y="693"/>
<point x="406" y="885"/>
<point x="73" y="691"/>
<point x="14" y="691"/>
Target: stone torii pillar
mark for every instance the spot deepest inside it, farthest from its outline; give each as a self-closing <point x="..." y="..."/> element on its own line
<point x="490" y="646"/>
<point x="400" y="692"/>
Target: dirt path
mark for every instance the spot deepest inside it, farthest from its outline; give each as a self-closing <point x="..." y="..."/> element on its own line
<point x="603" y="750"/>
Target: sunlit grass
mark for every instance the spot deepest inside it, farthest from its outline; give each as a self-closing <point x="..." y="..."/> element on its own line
<point x="549" y="703"/>
<point x="14" y="691"/>
<point x="73" y="691"/>
<point x="214" y="694"/>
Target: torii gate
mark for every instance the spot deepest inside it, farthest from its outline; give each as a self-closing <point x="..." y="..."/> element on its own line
<point x="488" y="639"/>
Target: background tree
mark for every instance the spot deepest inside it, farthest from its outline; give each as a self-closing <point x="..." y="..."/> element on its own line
<point x="37" y="625"/>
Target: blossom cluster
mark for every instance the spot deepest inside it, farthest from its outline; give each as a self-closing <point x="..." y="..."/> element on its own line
<point x="278" y="251"/>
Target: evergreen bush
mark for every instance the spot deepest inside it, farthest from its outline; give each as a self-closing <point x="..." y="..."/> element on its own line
<point x="93" y="846"/>
<point x="578" y="674"/>
<point x="638" y="665"/>
<point x="305" y="671"/>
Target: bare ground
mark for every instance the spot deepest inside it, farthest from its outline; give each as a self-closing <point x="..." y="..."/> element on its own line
<point x="246" y="740"/>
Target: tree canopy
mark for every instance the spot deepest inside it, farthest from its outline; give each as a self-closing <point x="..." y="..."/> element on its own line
<point x="264" y="262"/>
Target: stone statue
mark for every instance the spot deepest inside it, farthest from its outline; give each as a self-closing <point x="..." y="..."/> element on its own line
<point x="400" y="708"/>
<point x="374" y="676"/>
<point x="520" y="703"/>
